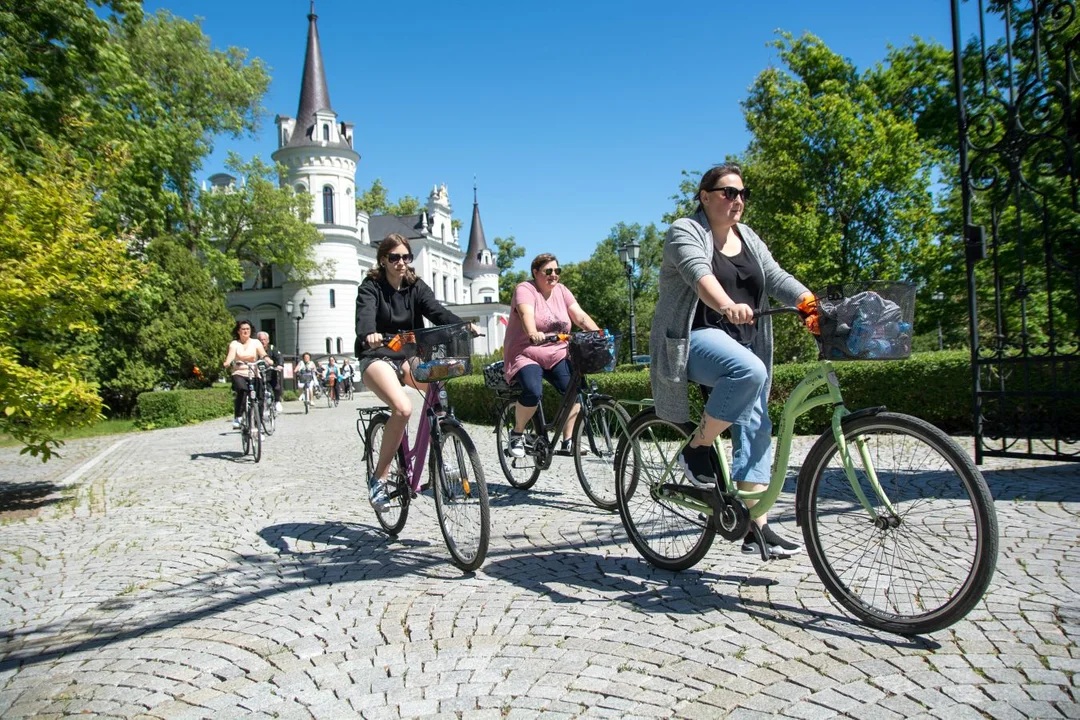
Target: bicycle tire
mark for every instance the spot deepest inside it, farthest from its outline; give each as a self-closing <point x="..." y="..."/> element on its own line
<point x="667" y="536"/>
<point x="939" y="489"/>
<point x="255" y="430"/>
<point x="522" y="473"/>
<point x="461" y="498"/>
<point x="270" y="419"/>
<point x="245" y="436"/>
<point x="598" y="431"/>
<point x="329" y="399"/>
<point x="393" y="518"/>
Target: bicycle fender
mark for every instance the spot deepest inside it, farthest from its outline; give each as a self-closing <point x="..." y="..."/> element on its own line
<point x="861" y="413"/>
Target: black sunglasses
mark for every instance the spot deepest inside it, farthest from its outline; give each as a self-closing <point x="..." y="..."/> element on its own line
<point x="555" y="270"/>
<point x="394" y="257"/>
<point x="730" y="193"/>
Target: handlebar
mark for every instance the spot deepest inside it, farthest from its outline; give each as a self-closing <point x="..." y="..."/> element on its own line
<point x="784" y="309"/>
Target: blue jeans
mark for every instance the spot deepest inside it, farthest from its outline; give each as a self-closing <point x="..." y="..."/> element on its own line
<point x="738" y="381"/>
<point x="532" y="388"/>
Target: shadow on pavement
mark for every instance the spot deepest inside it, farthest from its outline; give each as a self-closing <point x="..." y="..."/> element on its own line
<point x="26" y="497"/>
<point x="234" y="455"/>
<point x="1059" y="483"/>
<point x="632" y="581"/>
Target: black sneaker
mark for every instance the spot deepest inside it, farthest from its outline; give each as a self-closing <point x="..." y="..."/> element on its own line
<point x="697" y="466"/>
<point x="517" y="444"/>
<point x="777" y="546"/>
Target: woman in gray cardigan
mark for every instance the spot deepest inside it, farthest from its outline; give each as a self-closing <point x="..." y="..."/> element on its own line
<point x="715" y="272"/>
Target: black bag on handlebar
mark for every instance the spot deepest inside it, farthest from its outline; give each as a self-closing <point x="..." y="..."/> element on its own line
<point x="495" y="376"/>
<point x="592" y="352"/>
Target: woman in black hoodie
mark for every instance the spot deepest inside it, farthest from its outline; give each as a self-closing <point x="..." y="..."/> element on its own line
<point x="391" y="299"/>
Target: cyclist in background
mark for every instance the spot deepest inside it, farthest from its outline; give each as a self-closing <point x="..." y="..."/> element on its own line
<point x="305" y="376"/>
<point x="715" y="272"/>
<point x="346" y="375"/>
<point x="333" y="379"/>
<point x="276" y="373"/>
<point x="246" y="349"/>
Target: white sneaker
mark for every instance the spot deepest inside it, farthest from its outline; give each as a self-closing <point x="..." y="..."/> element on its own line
<point x="236" y="423"/>
<point x="517" y="444"/>
<point x="377" y="495"/>
<point x="277" y="406"/>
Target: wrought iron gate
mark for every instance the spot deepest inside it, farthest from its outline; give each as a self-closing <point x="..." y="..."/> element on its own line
<point x="1018" y="100"/>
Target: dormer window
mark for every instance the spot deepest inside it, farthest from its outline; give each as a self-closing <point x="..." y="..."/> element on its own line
<point x="326" y="132"/>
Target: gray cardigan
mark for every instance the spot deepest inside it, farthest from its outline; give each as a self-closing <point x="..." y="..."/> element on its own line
<point x="688" y="254"/>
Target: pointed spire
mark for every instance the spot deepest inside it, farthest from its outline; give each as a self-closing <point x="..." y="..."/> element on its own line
<point x="474" y="264"/>
<point x="314" y="92"/>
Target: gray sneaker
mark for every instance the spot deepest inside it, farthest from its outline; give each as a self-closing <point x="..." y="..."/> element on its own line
<point x="517" y="444"/>
<point x="377" y="495"/>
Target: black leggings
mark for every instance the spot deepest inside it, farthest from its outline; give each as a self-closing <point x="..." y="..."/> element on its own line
<point x="240" y="393"/>
<point x="530" y="379"/>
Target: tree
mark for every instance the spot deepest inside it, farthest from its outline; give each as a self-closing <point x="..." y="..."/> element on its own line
<point x="150" y="85"/>
<point x="56" y="272"/>
<point x="507" y="253"/>
<point x="172" y="323"/>
<point x="842" y="182"/>
<point x="260" y="223"/>
<point x="374" y="201"/>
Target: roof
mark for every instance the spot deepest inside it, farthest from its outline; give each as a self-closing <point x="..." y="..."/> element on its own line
<point x="473" y="266"/>
<point x="314" y="92"/>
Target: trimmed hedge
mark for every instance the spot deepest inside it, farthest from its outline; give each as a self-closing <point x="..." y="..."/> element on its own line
<point x="171" y="408"/>
<point x="933" y="386"/>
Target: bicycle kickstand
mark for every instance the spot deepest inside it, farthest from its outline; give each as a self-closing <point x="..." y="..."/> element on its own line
<point x="760" y="537"/>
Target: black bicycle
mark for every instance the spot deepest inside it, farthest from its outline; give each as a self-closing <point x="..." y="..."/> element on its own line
<point x="600" y="423"/>
<point x="267" y="406"/>
<point x="251" y="424"/>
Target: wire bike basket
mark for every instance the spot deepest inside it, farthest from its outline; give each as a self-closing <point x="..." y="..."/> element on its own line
<point x="592" y="352"/>
<point x="866" y="321"/>
<point x="442" y="352"/>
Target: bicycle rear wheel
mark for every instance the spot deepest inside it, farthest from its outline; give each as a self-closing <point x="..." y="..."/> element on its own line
<point x="255" y="431"/>
<point x="269" y="417"/>
<point x="461" y="498"/>
<point x="245" y="435"/>
<point x="393" y="517"/>
<point x="596" y="438"/>
<point x="666" y="534"/>
<point x="520" y="472"/>
<point x="920" y="566"/>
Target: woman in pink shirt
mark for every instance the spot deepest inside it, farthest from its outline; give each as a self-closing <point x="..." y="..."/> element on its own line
<point x="541" y="307"/>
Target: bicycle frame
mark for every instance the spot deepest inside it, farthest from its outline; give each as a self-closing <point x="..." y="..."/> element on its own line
<point x="802" y="400"/>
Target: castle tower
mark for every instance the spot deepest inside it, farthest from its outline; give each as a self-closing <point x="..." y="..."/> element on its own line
<point x="479" y="267"/>
<point x="318" y="154"/>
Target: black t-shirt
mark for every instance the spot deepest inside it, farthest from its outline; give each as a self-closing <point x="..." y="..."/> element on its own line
<point x="744" y="282"/>
<point x="387" y="310"/>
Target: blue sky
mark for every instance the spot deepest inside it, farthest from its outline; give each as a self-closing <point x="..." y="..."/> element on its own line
<point x="573" y="116"/>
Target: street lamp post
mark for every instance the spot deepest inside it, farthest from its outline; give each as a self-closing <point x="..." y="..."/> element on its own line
<point x="628" y="253"/>
<point x="938" y="297"/>
<point x="300" y="316"/>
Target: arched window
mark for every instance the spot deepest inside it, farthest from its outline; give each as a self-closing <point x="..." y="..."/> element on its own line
<point x="328" y="205"/>
<point x="442" y="230"/>
<point x="328" y="348"/>
<point x="326" y="132"/>
<point x="434" y="282"/>
<point x="446" y="289"/>
<point x="339" y="346"/>
<point x="333" y="301"/>
<point x="455" y="290"/>
<point x="300" y="188"/>
<point x="362" y="240"/>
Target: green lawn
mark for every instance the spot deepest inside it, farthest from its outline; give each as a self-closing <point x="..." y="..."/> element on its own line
<point x="105" y="427"/>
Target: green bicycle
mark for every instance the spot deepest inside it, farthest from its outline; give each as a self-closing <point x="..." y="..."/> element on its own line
<point x="897" y="520"/>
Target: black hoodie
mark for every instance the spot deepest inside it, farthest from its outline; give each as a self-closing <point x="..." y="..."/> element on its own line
<point x="382" y="309"/>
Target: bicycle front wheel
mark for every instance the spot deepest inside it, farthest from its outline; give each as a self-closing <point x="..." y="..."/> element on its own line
<point x="269" y="418"/>
<point x="667" y="534"/>
<point x="596" y="438"/>
<point x="461" y="498"/>
<point x="916" y="556"/>
<point x="393" y="517"/>
<point x="521" y="472"/>
<point x="255" y="430"/>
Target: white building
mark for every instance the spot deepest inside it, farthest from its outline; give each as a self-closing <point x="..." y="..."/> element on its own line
<point x="318" y="152"/>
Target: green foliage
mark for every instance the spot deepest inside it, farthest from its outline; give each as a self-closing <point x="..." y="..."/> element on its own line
<point x="171" y="408"/>
<point x="56" y="272"/>
<point x="374" y="201"/>
<point x="175" y="321"/>
<point x="933" y="386"/>
<point x="260" y="223"/>
<point x="479" y="362"/>
<point x="507" y="253"/>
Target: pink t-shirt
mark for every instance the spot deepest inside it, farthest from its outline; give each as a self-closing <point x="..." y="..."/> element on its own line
<point x="551" y="316"/>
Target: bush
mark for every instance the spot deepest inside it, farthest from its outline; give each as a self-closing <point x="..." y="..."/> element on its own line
<point x="479" y="362"/>
<point x="933" y="386"/>
<point x="171" y="408"/>
<point x="289" y="395"/>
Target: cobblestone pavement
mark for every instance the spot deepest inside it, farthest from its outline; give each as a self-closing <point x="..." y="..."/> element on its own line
<point x="171" y="578"/>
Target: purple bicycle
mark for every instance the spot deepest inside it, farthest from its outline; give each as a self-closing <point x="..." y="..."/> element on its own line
<point x="455" y="476"/>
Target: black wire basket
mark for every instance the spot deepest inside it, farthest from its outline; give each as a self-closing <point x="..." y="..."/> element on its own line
<point x="441" y="352"/>
<point x="592" y="352"/>
<point x="866" y="321"/>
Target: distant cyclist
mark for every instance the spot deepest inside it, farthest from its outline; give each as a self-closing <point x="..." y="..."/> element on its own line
<point x="305" y="376"/>
<point x="333" y="379"/>
<point x="247" y="349"/>
<point x="274" y="376"/>
<point x="346" y="375"/>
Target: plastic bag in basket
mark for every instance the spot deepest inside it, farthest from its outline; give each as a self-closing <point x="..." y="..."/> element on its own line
<point x="865" y="326"/>
<point x="593" y="352"/>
